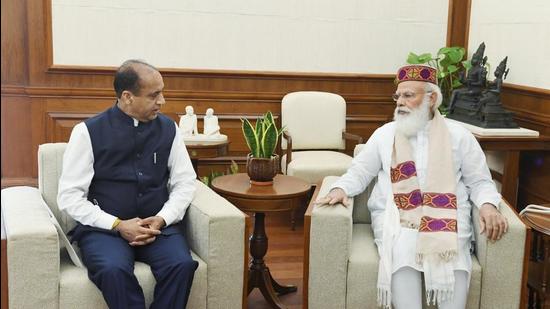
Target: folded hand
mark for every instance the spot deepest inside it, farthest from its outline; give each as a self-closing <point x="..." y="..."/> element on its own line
<point x="335" y="196"/>
<point x="492" y="222"/>
<point x="137" y="233"/>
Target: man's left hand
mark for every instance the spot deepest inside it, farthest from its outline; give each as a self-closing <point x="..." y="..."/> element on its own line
<point x="155" y="222"/>
<point x="492" y="222"/>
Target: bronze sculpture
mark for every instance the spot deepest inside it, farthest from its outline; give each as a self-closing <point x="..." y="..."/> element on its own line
<point x="479" y="103"/>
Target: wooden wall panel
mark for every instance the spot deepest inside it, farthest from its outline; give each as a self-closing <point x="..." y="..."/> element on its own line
<point x="16" y="137"/>
<point x="458" y="23"/>
<point x="14" y="43"/>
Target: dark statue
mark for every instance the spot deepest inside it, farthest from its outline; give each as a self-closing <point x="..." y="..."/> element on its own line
<point x="479" y="103"/>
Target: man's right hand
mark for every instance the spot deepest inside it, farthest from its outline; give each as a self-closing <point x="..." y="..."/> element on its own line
<point x="335" y="196"/>
<point x="135" y="233"/>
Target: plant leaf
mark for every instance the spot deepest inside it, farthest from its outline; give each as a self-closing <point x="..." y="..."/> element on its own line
<point x="467" y="64"/>
<point x="455" y="56"/>
<point x="251" y="137"/>
<point x="412" y="58"/>
<point x="234" y="167"/>
<point x="259" y="126"/>
<point x="205" y="180"/>
<point x="452" y="68"/>
<point x="424" y="58"/>
<point x="271" y="119"/>
<point x="456" y="83"/>
<point x="269" y="141"/>
<point x="443" y="50"/>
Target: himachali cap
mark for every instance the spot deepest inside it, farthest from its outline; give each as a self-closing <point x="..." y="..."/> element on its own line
<point x="416" y="72"/>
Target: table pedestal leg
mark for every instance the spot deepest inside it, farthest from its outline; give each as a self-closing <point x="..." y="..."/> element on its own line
<point x="258" y="274"/>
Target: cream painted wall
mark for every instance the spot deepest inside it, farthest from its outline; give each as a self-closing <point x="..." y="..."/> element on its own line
<point x="345" y="36"/>
<point x="519" y="29"/>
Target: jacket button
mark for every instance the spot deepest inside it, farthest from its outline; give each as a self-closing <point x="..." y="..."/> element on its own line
<point x="140" y="194"/>
<point x="138" y="155"/>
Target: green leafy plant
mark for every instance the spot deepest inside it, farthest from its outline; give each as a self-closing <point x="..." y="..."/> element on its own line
<point x="262" y="138"/>
<point x="233" y="169"/>
<point x="449" y="64"/>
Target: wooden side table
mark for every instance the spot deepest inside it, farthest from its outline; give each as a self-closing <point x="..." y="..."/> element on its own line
<point x="285" y="194"/>
<point x="512" y="148"/>
<point x="202" y="150"/>
<point x="539" y="262"/>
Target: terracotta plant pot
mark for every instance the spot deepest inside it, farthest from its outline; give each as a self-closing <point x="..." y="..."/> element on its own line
<point x="262" y="170"/>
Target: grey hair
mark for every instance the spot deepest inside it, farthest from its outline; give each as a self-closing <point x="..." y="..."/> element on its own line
<point x="435" y="88"/>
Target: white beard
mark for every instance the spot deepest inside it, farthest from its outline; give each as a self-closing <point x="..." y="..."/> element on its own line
<point x="416" y="120"/>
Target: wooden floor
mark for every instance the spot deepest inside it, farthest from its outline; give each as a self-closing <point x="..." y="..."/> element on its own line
<point x="284" y="258"/>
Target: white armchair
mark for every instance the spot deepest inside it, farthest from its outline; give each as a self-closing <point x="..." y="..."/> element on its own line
<point x="41" y="274"/>
<point x="341" y="259"/>
<point x="315" y="132"/>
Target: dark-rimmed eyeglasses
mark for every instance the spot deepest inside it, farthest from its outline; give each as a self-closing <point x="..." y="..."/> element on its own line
<point x="407" y="96"/>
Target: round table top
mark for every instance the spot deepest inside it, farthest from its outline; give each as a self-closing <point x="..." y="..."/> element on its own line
<point x="205" y="144"/>
<point x="238" y="185"/>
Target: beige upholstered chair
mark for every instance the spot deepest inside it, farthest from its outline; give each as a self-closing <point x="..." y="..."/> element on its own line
<point x="341" y="259"/>
<point x="41" y="275"/>
<point x="315" y="131"/>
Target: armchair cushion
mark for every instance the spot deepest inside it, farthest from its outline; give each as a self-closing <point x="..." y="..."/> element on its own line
<point x="312" y="166"/>
<point x="314" y="119"/>
<point x="74" y="286"/>
<point x="50" y="163"/>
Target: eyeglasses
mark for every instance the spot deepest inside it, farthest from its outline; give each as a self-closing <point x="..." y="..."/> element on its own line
<point x="407" y="96"/>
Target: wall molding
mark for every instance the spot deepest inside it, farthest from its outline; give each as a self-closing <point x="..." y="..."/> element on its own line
<point x="69" y="92"/>
<point x="233" y="74"/>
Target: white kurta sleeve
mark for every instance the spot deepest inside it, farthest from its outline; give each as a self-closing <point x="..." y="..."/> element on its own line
<point x="475" y="173"/>
<point x="364" y="167"/>
<point x="181" y="184"/>
<point x="74" y="183"/>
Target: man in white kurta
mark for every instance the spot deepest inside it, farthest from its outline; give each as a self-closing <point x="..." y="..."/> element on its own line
<point x="417" y="100"/>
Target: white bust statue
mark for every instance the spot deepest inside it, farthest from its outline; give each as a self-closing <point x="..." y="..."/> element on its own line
<point x="211" y="127"/>
<point x="188" y="122"/>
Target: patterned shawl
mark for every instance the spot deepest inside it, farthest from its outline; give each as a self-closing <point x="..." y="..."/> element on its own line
<point x="432" y="212"/>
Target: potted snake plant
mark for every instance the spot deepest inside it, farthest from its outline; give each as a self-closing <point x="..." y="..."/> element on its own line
<point x="262" y="163"/>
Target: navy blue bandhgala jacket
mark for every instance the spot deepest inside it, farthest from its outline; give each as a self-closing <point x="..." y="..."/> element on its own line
<point x="130" y="166"/>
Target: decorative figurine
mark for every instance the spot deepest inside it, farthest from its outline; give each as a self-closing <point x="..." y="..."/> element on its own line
<point x="211" y="127"/>
<point x="211" y="132"/>
<point x="479" y="103"/>
<point x="188" y="122"/>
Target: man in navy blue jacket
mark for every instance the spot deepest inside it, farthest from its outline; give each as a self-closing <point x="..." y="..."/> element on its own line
<point x="127" y="180"/>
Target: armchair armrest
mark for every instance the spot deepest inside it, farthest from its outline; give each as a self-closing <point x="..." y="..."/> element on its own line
<point x="328" y="230"/>
<point x="502" y="262"/>
<point x="353" y="137"/>
<point x="215" y="231"/>
<point x="32" y="250"/>
<point x="286" y="135"/>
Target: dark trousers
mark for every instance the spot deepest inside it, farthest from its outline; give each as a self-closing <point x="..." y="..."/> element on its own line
<point x="110" y="262"/>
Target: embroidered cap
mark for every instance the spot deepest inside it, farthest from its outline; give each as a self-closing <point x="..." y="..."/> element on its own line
<point x="416" y="72"/>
